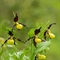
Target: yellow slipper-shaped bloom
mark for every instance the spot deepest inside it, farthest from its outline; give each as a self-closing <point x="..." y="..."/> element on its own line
<point x="37" y="40"/>
<point x="10" y="41"/>
<point x="19" y="26"/>
<point x="51" y="35"/>
<point x="41" y="56"/>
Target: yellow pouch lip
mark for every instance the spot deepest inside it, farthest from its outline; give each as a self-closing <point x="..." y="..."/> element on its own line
<point x="51" y="35"/>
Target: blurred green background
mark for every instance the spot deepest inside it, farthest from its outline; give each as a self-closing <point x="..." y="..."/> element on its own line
<point x="30" y="13"/>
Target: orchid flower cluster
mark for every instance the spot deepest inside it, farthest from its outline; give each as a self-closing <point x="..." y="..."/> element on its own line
<point x="35" y="38"/>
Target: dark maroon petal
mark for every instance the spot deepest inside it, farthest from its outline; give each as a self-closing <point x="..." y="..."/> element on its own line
<point x="51" y="25"/>
<point x="10" y="33"/>
<point x="16" y="18"/>
<point x="24" y="25"/>
<point x="34" y="42"/>
<point x="37" y="31"/>
<point x="5" y="41"/>
<point x="20" y="40"/>
<point x="29" y="39"/>
<point x="45" y="34"/>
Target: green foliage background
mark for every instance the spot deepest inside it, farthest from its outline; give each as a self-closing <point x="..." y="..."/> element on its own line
<point x="31" y="13"/>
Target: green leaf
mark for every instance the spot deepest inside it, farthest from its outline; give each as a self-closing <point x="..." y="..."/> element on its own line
<point x="40" y="47"/>
<point x="8" y="28"/>
<point x="31" y="33"/>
